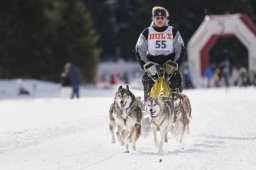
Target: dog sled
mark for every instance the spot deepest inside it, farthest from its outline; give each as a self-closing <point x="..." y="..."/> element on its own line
<point x="161" y="75"/>
<point x="164" y="111"/>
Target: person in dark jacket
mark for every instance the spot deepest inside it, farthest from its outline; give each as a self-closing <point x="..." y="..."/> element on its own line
<point x="74" y="75"/>
<point x="65" y="82"/>
<point x="159" y="43"/>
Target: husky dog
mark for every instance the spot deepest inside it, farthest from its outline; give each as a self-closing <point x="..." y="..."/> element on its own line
<point x="160" y="115"/>
<point x="125" y="113"/>
<point x="182" y="117"/>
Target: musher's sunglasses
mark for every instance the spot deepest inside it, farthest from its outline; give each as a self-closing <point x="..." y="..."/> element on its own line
<point x="157" y="18"/>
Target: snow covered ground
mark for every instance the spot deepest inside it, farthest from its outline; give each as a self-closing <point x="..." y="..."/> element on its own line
<point x="45" y="132"/>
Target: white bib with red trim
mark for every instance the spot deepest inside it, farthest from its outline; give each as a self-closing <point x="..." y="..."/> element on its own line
<point x="160" y="43"/>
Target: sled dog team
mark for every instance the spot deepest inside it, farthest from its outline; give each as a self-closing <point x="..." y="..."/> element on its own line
<point x="125" y="115"/>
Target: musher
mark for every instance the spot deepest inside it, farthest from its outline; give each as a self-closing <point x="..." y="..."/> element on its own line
<point x="160" y="43"/>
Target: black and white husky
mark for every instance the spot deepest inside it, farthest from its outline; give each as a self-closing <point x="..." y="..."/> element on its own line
<point x="173" y="115"/>
<point x="160" y="117"/>
<point x="182" y="117"/>
<point x="125" y="114"/>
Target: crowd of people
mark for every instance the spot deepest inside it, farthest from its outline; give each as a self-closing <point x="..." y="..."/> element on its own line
<point x="214" y="76"/>
<point x="223" y="76"/>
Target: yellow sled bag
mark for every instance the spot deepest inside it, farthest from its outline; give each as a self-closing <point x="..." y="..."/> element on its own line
<point x="160" y="88"/>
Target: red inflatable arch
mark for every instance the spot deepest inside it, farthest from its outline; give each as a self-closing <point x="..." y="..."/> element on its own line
<point x="211" y="29"/>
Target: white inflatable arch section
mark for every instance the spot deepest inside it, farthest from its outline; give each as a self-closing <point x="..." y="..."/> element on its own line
<point x="211" y="29"/>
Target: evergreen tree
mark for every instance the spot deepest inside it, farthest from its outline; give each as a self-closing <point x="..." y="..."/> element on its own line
<point x="23" y="30"/>
<point x="103" y="14"/>
<point x="75" y="38"/>
<point x="38" y="37"/>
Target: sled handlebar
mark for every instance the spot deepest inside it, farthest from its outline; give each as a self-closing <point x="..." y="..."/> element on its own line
<point x="155" y="70"/>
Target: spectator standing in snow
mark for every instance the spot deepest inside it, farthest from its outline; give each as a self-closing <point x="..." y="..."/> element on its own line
<point x="66" y="82"/>
<point x="74" y="75"/>
<point x="209" y="76"/>
<point x="235" y="76"/>
<point x="216" y="77"/>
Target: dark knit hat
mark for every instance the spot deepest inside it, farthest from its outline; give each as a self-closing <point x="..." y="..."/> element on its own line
<point x="159" y="12"/>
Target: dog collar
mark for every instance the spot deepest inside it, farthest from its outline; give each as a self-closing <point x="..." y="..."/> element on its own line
<point x="127" y="114"/>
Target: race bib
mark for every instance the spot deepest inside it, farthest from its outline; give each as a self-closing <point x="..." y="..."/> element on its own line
<point x="160" y="43"/>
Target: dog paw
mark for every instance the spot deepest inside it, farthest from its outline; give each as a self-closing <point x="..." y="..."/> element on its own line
<point x="182" y="146"/>
<point x="113" y="141"/>
<point x="126" y="151"/>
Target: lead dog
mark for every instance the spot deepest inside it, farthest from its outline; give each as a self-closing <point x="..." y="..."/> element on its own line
<point x="174" y="115"/>
<point x="161" y="117"/>
<point x="125" y="114"/>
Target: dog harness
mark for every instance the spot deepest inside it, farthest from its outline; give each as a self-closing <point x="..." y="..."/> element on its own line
<point x="157" y="125"/>
<point x="125" y="116"/>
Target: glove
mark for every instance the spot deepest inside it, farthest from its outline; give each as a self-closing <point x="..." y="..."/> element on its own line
<point x="151" y="69"/>
<point x="170" y="67"/>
